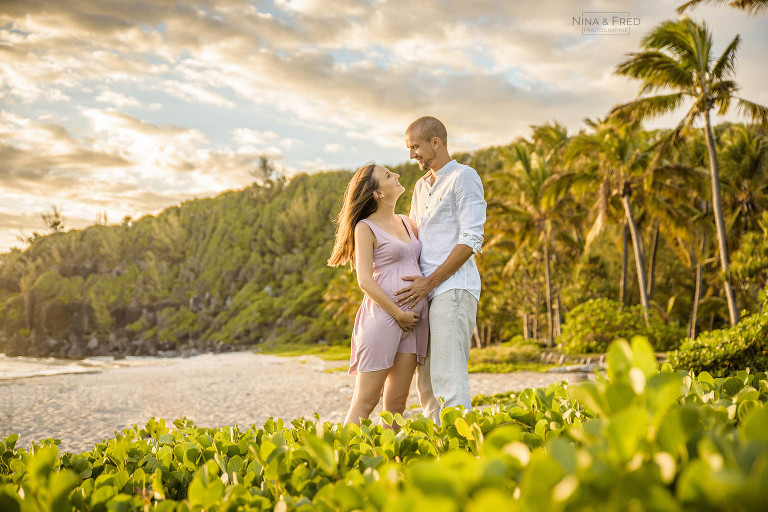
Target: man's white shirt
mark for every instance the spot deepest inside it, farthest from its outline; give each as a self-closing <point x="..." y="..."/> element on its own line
<point x="447" y="213"/>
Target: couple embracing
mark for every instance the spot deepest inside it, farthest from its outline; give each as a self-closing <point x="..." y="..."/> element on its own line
<point x="419" y="277"/>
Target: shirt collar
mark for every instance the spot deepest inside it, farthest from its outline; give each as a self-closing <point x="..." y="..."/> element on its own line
<point x="440" y="172"/>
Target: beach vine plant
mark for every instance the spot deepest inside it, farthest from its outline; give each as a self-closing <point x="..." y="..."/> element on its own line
<point x="636" y="438"/>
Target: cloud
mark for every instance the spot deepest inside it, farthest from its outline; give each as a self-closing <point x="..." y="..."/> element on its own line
<point x="33" y="153"/>
<point x="311" y="83"/>
<point x="117" y="99"/>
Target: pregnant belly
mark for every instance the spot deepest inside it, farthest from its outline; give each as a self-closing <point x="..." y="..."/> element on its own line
<point x="393" y="281"/>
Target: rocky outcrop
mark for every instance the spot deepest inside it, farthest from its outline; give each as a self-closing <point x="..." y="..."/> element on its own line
<point x="118" y="344"/>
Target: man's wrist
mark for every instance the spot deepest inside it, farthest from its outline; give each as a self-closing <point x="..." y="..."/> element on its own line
<point x="432" y="282"/>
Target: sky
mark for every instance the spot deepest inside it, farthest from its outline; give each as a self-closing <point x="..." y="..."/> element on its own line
<point x="128" y="107"/>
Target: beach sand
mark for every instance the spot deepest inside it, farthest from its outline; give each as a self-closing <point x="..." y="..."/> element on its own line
<point x="213" y="390"/>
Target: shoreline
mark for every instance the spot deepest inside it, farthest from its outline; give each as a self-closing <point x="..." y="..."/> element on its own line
<point x="213" y="390"/>
<point x="25" y="367"/>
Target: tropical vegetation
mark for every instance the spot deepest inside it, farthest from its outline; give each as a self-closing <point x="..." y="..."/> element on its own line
<point x="247" y="267"/>
<point x="639" y="439"/>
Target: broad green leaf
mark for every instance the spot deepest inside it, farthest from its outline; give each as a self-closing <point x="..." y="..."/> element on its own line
<point x="755" y="425"/>
<point x="643" y="356"/>
<point x="619" y="396"/>
<point x="463" y="429"/>
<point x="731" y="386"/>
<point x="706" y="378"/>
<point x="625" y="431"/>
<point x="619" y="360"/>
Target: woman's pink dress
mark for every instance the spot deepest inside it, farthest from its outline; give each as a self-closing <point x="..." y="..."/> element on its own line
<point x="377" y="336"/>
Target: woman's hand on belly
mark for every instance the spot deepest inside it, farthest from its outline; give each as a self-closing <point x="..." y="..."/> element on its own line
<point x="407" y="320"/>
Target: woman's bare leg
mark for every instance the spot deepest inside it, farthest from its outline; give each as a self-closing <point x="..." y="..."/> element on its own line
<point x="368" y="386"/>
<point x="398" y="383"/>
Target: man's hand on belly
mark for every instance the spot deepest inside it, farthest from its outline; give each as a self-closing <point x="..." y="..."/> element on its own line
<point x="412" y="294"/>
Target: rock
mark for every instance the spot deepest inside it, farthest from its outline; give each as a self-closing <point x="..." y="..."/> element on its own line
<point x="14" y="347"/>
<point x="93" y="343"/>
<point x="75" y="352"/>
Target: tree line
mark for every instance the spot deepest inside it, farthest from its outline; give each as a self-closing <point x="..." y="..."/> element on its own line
<point x="673" y="220"/>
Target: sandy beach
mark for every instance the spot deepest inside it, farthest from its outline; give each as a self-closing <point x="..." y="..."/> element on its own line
<point x="239" y="388"/>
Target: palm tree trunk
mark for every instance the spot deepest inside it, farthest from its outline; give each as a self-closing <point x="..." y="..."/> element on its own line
<point x="717" y="208"/>
<point x="693" y="331"/>
<point x="652" y="259"/>
<point x="526" y="330"/>
<point x="548" y="277"/>
<point x="637" y="245"/>
<point x="623" y="282"/>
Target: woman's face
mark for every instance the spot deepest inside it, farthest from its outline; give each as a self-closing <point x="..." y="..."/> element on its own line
<point x="389" y="184"/>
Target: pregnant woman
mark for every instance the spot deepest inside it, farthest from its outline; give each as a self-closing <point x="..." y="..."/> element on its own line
<point x="387" y="342"/>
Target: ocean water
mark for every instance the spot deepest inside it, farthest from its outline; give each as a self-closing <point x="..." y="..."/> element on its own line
<point x="19" y="367"/>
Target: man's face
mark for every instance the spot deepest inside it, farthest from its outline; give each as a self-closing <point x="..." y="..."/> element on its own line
<point x="420" y="149"/>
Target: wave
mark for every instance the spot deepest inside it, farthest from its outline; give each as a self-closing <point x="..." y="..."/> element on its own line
<point x="20" y="367"/>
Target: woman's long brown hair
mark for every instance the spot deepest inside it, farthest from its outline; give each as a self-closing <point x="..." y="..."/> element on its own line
<point x="358" y="204"/>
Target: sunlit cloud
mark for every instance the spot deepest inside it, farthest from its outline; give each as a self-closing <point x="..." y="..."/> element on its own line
<point x="117" y="99"/>
<point x="128" y="107"/>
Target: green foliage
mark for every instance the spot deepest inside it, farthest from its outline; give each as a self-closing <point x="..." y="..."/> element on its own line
<point x="591" y="326"/>
<point x="514" y="355"/>
<point x="634" y="439"/>
<point x="721" y="351"/>
<point x="249" y="266"/>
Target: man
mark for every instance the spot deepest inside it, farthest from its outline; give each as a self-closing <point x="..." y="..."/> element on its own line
<point x="449" y="209"/>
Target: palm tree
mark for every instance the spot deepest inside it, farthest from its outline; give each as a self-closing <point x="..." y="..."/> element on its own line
<point x="751" y="6"/>
<point x="679" y="202"/>
<point x="745" y="173"/>
<point x="677" y="59"/>
<point x="531" y="205"/>
<point x="620" y="154"/>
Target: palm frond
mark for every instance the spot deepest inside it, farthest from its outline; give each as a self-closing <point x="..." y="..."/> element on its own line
<point x="722" y="94"/>
<point x="648" y="107"/>
<point x="675" y="36"/>
<point x="751" y="6"/>
<point x="495" y="239"/>
<point x="673" y="138"/>
<point x="725" y="65"/>
<point x="658" y="71"/>
<point x="757" y="113"/>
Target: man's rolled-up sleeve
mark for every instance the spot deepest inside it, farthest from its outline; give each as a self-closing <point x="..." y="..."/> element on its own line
<point x="470" y="205"/>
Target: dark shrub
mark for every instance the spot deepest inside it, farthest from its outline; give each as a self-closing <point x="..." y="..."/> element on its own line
<point x="591" y="326"/>
<point x="725" y="351"/>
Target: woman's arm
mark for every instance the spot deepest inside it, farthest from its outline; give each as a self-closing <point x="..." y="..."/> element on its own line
<point x="365" y="241"/>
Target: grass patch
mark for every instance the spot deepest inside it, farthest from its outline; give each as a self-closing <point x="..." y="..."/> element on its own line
<point x="325" y="352"/>
<point x="336" y="369"/>
<point x="505" y="358"/>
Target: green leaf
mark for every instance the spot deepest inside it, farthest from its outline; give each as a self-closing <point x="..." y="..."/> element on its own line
<point x="321" y="453"/>
<point x="643" y="356"/>
<point x="625" y="430"/>
<point x="370" y="462"/>
<point x="436" y="479"/>
<point x="463" y="428"/>
<point x="706" y="378"/>
<point x="619" y="360"/>
<point x="619" y="396"/>
<point x="731" y="386"/>
<point x="755" y="425"/>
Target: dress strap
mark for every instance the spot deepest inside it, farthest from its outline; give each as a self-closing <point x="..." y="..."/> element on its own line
<point x="376" y="229"/>
<point x="407" y="223"/>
